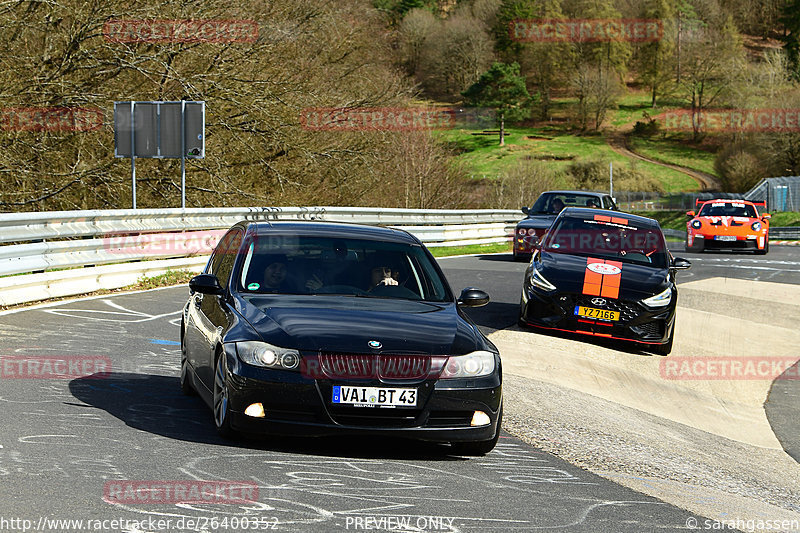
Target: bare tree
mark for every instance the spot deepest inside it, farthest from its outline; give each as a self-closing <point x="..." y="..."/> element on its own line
<point x="307" y="54"/>
<point x="455" y="56"/>
<point x="597" y="89"/>
<point x="712" y="62"/>
<point x="414" y="31"/>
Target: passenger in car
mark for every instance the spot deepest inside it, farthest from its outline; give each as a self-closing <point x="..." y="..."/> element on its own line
<point x="383" y="276"/>
<point x="274" y="279"/>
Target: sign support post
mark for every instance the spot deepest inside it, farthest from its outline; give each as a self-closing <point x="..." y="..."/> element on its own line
<point x="183" y="154"/>
<point x="133" y="155"/>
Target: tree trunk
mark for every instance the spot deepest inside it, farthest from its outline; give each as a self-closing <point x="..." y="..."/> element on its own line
<point x="502" y="129"/>
<point x="680" y="28"/>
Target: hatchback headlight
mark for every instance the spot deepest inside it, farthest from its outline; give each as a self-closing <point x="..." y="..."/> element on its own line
<point x="756" y="226"/>
<point x="266" y="355"/>
<point x="539" y="281"/>
<point x="659" y="300"/>
<point x="472" y="365"/>
<point x="696" y="224"/>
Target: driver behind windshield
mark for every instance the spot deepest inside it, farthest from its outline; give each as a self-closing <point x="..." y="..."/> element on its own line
<point x="593" y="238"/>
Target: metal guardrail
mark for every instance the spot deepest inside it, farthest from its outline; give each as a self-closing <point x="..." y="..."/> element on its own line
<point x="17" y="227"/>
<point x="119" y="246"/>
<point x="792" y="232"/>
<point x="777" y="233"/>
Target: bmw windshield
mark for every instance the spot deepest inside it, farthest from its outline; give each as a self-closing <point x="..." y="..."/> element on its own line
<point x="606" y="237"/>
<point x="314" y="265"/>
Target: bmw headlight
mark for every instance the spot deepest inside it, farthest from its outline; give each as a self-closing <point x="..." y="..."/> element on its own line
<point x="756" y="226"/>
<point x="539" y="281"/>
<point x="472" y="365"/>
<point x="659" y="300"/>
<point x="696" y="224"/>
<point x="266" y="355"/>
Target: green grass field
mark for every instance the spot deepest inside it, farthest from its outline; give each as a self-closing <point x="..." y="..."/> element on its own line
<point x="670" y="150"/>
<point x="485" y="158"/>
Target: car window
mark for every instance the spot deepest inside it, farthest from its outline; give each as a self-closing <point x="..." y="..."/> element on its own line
<point x="225" y="256"/>
<point x="316" y="265"/>
<point x="727" y="209"/>
<point x="553" y="203"/>
<point x="608" y="203"/>
<point x="608" y="237"/>
<point x="219" y="251"/>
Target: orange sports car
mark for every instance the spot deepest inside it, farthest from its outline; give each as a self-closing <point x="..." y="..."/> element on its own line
<point x="728" y="224"/>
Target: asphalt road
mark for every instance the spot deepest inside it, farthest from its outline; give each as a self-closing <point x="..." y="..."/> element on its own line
<point x="63" y="441"/>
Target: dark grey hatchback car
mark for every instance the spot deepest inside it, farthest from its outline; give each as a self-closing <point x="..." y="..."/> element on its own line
<point x="316" y="328"/>
<point x="544" y="211"/>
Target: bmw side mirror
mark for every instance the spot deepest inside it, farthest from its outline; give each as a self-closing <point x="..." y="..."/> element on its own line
<point x="680" y="263"/>
<point x="472" y="297"/>
<point x="206" y="284"/>
<point x="525" y="210"/>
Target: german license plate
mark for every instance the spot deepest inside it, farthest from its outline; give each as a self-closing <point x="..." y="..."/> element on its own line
<point x="374" y="396"/>
<point x="601" y="314"/>
<point x="725" y="237"/>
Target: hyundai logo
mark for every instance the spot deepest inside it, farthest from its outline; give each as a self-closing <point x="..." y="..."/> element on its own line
<point x="598" y="301"/>
<point x="375" y="344"/>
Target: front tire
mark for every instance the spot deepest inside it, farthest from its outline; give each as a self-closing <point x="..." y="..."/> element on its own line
<point x="696" y="248"/>
<point x="187" y="388"/>
<point x="222" y="414"/>
<point x="186" y="379"/>
<point x="481" y="447"/>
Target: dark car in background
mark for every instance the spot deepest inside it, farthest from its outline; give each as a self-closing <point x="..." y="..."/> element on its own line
<point x="605" y="274"/>
<point x="316" y="328"/>
<point x="543" y="212"/>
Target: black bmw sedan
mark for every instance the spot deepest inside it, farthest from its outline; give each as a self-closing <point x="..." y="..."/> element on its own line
<point x="317" y="328"/>
<point x="606" y="274"/>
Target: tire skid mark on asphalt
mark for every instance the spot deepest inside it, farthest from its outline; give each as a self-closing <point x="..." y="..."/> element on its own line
<point x="132" y="316"/>
<point x="385" y="476"/>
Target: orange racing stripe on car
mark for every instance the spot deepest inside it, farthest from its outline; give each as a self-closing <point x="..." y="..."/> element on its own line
<point x="611" y="281"/>
<point x="602" y="218"/>
<point x="592" y="281"/>
<point x="605" y="285"/>
<point x="617" y="220"/>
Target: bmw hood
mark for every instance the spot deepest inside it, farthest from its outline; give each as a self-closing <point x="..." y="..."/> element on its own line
<point x="575" y="274"/>
<point x="537" y="222"/>
<point x="355" y="325"/>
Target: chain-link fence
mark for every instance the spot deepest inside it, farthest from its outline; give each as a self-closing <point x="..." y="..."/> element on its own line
<point x="781" y="194"/>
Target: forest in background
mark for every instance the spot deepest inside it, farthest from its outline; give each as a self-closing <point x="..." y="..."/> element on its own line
<point x="364" y="54"/>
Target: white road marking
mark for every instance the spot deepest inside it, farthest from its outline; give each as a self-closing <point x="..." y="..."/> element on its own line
<point x="134" y="316"/>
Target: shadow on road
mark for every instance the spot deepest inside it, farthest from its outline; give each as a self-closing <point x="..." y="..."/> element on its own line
<point x="781" y="409"/>
<point x="155" y="404"/>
